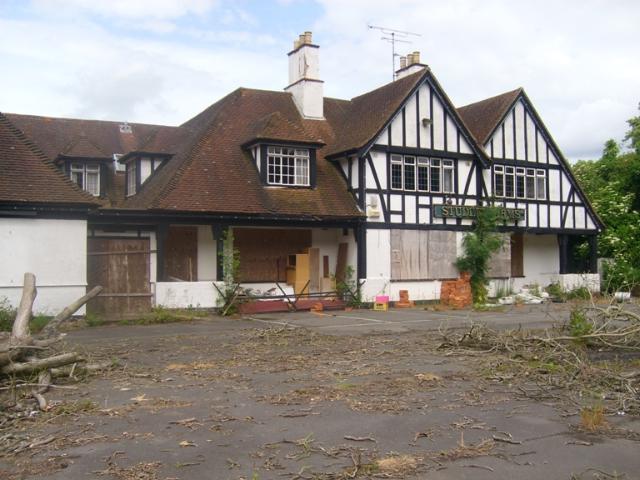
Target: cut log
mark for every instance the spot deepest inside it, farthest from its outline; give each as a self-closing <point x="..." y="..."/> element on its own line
<point x="23" y="316"/>
<point x="36" y="365"/>
<point x="52" y="327"/>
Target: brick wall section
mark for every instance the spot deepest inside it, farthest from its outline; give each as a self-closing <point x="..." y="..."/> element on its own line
<point x="456" y="293"/>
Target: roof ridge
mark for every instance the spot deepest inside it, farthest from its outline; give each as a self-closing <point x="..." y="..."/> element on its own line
<point x="493" y="97"/>
<point x="95" y="120"/>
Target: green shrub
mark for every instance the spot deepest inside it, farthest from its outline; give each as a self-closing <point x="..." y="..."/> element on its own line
<point x="579" y="325"/>
<point x="38" y="322"/>
<point x="555" y="290"/>
<point x="93" y="320"/>
<point x="579" y="293"/>
<point x="7" y="315"/>
<point x="478" y="246"/>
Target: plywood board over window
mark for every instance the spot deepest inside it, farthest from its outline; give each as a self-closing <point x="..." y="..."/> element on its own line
<point x="423" y="255"/>
<point x="500" y="261"/>
<point x="181" y="254"/>
<point x="517" y="254"/>
<point x="264" y="252"/>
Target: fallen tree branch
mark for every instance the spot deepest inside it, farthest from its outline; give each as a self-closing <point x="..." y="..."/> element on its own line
<point x="52" y="327"/>
<point x="36" y="365"/>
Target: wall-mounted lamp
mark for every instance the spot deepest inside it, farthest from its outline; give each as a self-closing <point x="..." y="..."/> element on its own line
<point x="426" y="122"/>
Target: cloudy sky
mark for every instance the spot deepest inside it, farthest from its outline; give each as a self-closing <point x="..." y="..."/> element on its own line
<point x="162" y="61"/>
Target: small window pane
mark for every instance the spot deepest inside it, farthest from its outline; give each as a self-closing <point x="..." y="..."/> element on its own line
<point x="409" y="175"/>
<point x="447" y="180"/>
<point x="541" y="185"/>
<point x="396" y="176"/>
<point x="423" y="177"/>
<point x="499" y="183"/>
<point x="509" y="179"/>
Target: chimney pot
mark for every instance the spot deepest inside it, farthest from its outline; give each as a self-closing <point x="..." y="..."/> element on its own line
<point x="416" y="57"/>
<point x="403" y="62"/>
<point x="296" y="44"/>
<point x="307" y="37"/>
<point x="301" y="39"/>
<point x="410" y="59"/>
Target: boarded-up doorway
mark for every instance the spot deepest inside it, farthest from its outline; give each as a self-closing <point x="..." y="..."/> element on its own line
<point x="121" y="266"/>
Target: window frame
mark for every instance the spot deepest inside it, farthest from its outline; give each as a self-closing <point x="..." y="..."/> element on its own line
<point x="131" y="171"/>
<point x="534" y="186"/>
<point x="81" y="171"/>
<point x="294" y="165"/>
<point x="429" y="169"/>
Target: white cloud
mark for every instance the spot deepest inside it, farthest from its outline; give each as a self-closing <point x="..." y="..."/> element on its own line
<point x="577" y="60"/>
<point x="128" y="9"/>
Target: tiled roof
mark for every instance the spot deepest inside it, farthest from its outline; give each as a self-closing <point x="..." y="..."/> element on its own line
<point x="360" y="119"/>
<point x="214" y="173"/>
<point x="57" y="136"/>
<point x="28" y="176"/>
<point x="484" y="116"/>
<point x="274" y="126"/>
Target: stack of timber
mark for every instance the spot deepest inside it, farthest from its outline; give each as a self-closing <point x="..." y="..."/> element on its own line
<point x="28" y="364"/>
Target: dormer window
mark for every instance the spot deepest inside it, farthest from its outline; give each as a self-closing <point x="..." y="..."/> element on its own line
<point x="86" y="177"/>
<point x="288" y="166"/>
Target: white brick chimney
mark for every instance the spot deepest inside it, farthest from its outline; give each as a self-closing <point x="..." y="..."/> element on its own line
<point x="409" y="64"/>
<point x="304" y="82"/>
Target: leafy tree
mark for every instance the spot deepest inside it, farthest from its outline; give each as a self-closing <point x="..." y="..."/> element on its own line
<point x="478" y="246"/>
<point x="612" y="183"/>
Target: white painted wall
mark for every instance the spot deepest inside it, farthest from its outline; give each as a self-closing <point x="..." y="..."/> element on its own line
<point x="541" y="261"/>
<point x="571" y="281"/>
<point x="186" y="294"/>
<point x="207" y="254"/>
<point x="54" y="250"/>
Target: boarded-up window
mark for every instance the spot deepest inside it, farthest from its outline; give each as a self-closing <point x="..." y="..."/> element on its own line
<point x="517" y="253"/>
<point x="264" y="252"/>
<point x="181" y="254"/>
<point x="423" y="255"/>
<point x="500" y="261"/>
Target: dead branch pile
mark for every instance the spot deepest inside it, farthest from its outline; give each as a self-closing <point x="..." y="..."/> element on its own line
<point x="29" y="364"/>
<point x="593" y="357"/>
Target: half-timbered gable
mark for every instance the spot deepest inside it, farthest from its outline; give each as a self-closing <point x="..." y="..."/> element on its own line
<point x="528" y="170"/>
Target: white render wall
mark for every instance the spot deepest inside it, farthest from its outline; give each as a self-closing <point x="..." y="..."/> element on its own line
<point x="207" y="254"/>
<point x="54" y="250"/>
<point x="541" y="261"/>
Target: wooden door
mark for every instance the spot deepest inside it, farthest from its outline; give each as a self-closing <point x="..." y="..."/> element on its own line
<point x="121" y="266"/>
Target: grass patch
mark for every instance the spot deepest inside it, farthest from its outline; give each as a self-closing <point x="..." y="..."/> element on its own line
<point x="592" y="418"/>
<point x="161" y="315"/>
<point x="8" y="315"/>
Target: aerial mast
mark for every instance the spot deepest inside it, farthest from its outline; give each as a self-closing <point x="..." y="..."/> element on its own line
<point x="394" y="36"/>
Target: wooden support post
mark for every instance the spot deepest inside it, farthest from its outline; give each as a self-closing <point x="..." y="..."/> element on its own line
<point x="593" y="254"/>
<point x="218" y="231"/>
<point x="563" y="243"/>
<point x="162" y="231"/>
<point x="361" y="240"/>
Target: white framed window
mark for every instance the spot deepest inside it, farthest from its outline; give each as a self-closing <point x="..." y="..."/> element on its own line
<point x="541" y="185"/>
<point x="498" y="180"/>
<point x="288" y="166"/>
<point x="131" y="178"/>
<point x="86" y="177"/>
<point x="447" y="176"/>
<point x="422" y="174"/>
<point x="396" y="172"/>
<point x="509" y="182"/>
<point x="436" y="182"/>
<point x="519" y="182"/>
<point x="409" y="173"/>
